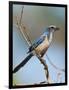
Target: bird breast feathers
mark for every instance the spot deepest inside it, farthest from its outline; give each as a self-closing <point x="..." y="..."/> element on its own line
<point x="43" y="45"/>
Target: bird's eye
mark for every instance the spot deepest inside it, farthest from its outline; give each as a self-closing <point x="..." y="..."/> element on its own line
<point x="52" y="27"/>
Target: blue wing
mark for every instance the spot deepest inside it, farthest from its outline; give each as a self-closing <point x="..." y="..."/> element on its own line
<point x="34" y="45"/>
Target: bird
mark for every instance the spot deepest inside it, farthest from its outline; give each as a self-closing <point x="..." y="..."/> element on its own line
<point x="40" y="46"/>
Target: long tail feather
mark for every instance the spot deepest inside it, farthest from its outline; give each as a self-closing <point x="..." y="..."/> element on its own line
<point x="22" y="63"/>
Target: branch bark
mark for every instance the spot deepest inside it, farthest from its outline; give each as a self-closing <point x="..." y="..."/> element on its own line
<point x="46" y="69"/>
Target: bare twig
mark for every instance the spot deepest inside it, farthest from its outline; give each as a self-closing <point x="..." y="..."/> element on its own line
<point x="22" y="29"/>
<point x="21" y="15"/>
<point x="57" y="68"/>
<point x="26" y="34"/>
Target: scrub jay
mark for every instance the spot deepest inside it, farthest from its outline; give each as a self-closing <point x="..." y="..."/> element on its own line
<point x="40" y="46"/>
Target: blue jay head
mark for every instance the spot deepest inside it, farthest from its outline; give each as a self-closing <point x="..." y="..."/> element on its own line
<point x="52" y="28"/>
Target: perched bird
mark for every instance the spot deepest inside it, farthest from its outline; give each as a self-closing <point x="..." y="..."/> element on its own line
<point x="40" y="46"/>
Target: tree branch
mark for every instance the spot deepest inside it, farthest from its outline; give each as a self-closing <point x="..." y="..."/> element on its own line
<point x="57" y="68"/>
<point x="46" y="69"/>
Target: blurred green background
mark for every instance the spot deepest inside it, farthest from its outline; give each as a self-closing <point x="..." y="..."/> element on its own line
<point x="36" y="19"/>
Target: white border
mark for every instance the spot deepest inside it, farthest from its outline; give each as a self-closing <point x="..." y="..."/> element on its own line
<point x="4" y="24"/>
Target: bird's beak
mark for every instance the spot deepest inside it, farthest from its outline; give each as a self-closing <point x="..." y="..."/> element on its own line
<point x="57" y="28"/>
